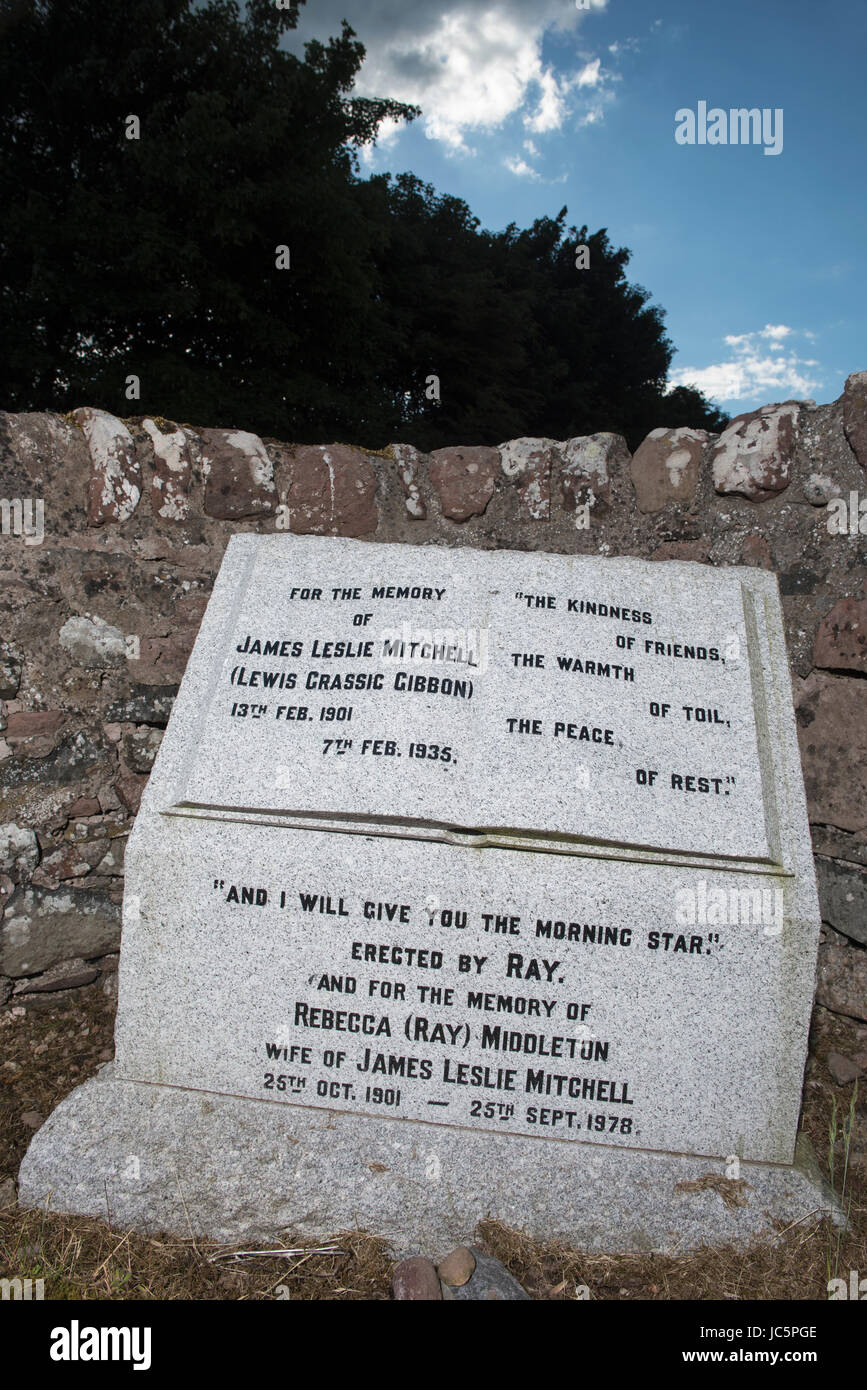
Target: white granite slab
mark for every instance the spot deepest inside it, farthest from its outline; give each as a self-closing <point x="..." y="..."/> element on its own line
<point x="563" y="997"/>
<point x="464" y="708"/>
<point x="526" y="943"/>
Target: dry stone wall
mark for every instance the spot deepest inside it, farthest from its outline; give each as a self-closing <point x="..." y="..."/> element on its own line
<point x="113" y="532"/>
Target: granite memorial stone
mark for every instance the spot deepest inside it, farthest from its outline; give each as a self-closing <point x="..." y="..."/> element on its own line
<point x="465" y="884"/>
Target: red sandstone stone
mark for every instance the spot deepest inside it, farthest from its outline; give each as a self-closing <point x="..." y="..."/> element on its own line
<point x="756" y="552"/>
<point x="464" y="480"/>
<point x="754" y="455"/>
<point x="26" y="724"/>
<point x="331" y="492"/>
<point x="841" y="642"/>
<point x="855" y="415"/>
<point x="416" y="1280"/>
<point x="173" y="470"/>
<point x="832" y="734"/>
<point x="239" y="473"/>
<point x="163" y="660"/>
<point x="115" y="476"/>
<point x="666" y="467"/>
<point x="129" y="788"/>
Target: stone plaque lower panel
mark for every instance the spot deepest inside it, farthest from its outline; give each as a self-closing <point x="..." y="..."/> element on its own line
<point x="563" y="998"/>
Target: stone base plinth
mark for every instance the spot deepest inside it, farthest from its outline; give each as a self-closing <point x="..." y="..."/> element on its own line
<point x="158" y="1158"/>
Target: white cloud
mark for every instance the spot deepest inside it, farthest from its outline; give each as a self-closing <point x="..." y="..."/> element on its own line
<point x="520" y="167"/>
<point x="589" y="75"/>
<point x="552" y="104"/>
<point x="776" y="331"/>
<point x="469" y="64"/>
<point x="755" y="371"/>
<point x="555" y="107"/>
<point x="630" y="45"/>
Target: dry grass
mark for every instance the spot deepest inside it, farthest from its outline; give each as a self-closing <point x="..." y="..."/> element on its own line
<point x="789" y="1266"/>
<point x="82" y="1258"/>
<point x="50" y="1046"/>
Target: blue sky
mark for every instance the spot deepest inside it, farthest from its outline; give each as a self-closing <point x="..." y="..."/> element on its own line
<point x="532" y="104"/>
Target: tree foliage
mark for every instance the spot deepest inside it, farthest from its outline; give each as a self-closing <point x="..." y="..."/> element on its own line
<point x="157" y="256"/>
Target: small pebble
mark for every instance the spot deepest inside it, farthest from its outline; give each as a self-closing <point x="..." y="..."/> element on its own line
<point x="490" y="1281"/>
<point x="416" y="1280"/>
<point x="457" y="1267"/>
<point x="819" y="489"/>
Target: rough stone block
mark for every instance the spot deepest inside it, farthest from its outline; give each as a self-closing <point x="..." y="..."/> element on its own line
<point x="855" y="415"/>
<point x="666" y="467"/>
<point x="833" y="739"/>
<point x="841" y="641"/>
<point x="529" y="463"/>
<point x="115" y="475"/>
<point x="173" y="470"/>
<point x="239" y="475"/>
<point x="464" y="480"/>
<point x="331" y="492"/>
<point x="590" y="463"/>
<point x="41" y="927"/>
<point x="754" y="456"/>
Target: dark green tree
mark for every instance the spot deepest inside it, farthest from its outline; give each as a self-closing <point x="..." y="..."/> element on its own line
<point x="599" y="344"/>
<point x="157" y="256"/>
<point x="522" y="340"/>
<point x="160" y="257"/>
<point x="449" y="310"/>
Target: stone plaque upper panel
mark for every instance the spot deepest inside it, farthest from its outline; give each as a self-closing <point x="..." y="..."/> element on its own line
<point x="445" y="692"/>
